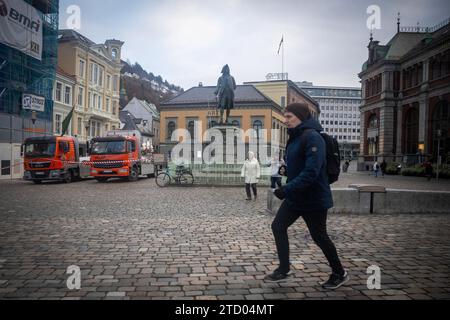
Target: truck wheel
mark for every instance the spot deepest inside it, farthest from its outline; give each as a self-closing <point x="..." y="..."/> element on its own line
<point x="37" y="181"/>
<point x="68" y="177"/>
<point x="134" y="175"/>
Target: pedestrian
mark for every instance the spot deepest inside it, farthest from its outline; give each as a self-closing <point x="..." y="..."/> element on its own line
<point x="383" y="167"/>
<point x="307" y="194"/>
<point x="376" y="168"/>
<point x="428" y="170"/>
<point x="251" y="172"/>
<point x="345" y="166"/>
<point x="275" y="177"/>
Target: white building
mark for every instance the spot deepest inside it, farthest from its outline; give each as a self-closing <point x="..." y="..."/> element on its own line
<point x="149" y="114"/>
<point x="339" y="114"/>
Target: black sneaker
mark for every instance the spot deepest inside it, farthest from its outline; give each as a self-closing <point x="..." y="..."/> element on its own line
<point x="336" y="281"/>
<point x="277" y="276"/>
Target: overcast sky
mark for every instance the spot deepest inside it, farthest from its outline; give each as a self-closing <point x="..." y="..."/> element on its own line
<point x="189" y="41"/>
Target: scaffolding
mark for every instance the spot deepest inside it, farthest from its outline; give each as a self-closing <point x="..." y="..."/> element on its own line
<point x="20" y="73"/>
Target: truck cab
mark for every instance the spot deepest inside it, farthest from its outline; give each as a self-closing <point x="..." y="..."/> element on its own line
<point x="118" y="157"/>
<point x="51" y="158"/>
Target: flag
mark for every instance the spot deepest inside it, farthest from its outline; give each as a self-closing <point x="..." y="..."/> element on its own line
<point x="66" y="122"/>
<point x="281" y="43"/>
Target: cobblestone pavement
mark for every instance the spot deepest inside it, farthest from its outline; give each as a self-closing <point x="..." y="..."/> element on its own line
<point x="136" y="241"/>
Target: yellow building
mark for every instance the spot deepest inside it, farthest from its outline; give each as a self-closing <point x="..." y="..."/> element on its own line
<point x="198" y="105"/>
<point x="96" y="69"/>
<point x="285" y="92"/>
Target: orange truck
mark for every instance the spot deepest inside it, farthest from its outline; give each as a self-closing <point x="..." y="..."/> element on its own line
<point x="119" y="157"/>
<point x="52" y="158"/>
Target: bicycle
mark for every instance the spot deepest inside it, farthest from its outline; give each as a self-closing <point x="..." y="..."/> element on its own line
<point x="183" y="176"/>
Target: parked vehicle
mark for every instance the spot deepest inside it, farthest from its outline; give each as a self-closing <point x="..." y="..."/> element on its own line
<point x="52" y="158"/>
<point x="119" y="157"/>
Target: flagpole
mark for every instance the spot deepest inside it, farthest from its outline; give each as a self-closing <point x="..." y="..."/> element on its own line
<point x="282" y="59"/>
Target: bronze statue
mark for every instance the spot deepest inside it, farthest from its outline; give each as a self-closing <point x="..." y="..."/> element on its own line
<point x="226" y="86"/>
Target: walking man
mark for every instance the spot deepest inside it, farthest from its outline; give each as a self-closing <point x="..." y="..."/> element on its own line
<point x="307" y="194"/>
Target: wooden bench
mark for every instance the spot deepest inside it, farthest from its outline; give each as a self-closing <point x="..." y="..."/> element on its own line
<point x="368" y="188"/>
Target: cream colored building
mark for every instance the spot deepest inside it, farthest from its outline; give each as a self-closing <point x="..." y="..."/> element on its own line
<point x="96" y="69"/>
<point x="285" y="92"/>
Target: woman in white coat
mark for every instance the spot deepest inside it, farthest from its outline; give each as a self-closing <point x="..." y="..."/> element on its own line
<point x="251" y="172"/>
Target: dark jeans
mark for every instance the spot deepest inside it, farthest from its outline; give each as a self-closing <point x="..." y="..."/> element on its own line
<point x="247" y="189"/>
<point x="275" y="180"/>
<point x="317" y="225"/>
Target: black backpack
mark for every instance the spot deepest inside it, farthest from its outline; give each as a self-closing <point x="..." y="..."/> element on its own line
<point x="333" y="155"/>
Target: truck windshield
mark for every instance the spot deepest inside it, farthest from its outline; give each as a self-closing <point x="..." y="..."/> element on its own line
<point x="40" y="149"/>
<point x="108" y="147"/>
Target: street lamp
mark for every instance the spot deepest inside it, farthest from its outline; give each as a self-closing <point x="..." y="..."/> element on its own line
<point x="438" y="134"/>
<point x="33" y="119"/>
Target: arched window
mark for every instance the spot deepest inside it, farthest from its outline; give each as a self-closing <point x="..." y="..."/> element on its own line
<point x="412" y="131"/>
<point x="441" y="128"/>
<point x="257" y="126"/>
<point x="170" y="129"/>
<point x="235" y="123"/>
<point x="373" y="135"/>
<point x="191" y="127"/>
<point x="373" y="122"/>
<point x="114" y="53"/>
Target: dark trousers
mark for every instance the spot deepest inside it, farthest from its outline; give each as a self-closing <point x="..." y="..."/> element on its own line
<point x="317" y="225"/>
<point x="247" y="189"/>
<point x="275" y="180"/>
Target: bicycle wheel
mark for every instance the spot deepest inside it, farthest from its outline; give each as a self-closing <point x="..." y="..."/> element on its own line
<point x="187" y="179"/>
<point x="163" y="180"/>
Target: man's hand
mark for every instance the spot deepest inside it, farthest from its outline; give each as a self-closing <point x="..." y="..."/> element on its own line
<point x="280" y="193"/>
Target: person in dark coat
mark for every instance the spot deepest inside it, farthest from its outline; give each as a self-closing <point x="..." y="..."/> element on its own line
<point x="307" y="194"/>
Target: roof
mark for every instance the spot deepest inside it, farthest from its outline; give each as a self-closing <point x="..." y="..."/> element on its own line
<point x="244" y="94"/>
<point x="404" y="44"/>
<point x="132" y="123"/>
<point x="401" y="44"/>
<point x="61" y="72"/>
<point x="66" y="35"/>
<point x="291" y="85"/>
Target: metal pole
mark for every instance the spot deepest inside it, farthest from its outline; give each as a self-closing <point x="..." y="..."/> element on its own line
<point x="438" y="155"/>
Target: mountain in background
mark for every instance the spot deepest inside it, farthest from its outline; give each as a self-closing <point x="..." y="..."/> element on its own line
<point x="145" y="85"/>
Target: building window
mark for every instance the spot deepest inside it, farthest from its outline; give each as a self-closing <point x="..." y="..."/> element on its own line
<point x="114" y="111"/>
<point x="107" y="104"/>
<point x="58" y="122"/>
<point x="67" y="95"/>
<point x="79" y="126"/>
<point x="108" y="82"/>
<point x="283" y="102"/>
<point x="373" y="122"/>
<point x="412" y="131"/>
<point x="80" y="96"/>
<point x="441" y="121"/>
<point x="170" y="129"/>
<point x="191" y="126"/>
<point x="100" y="77"/>
<point x="99" y="103"/>
<point x="81" y="68"/>
<point x="115" y="83"/>
<point x="58" y="92"/>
